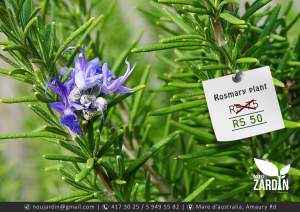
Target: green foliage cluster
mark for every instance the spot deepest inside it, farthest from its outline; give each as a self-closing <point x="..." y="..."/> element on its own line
<point x="95" y="165"/>
<point x="144" y="154"/>
<point x="211" y="39"/>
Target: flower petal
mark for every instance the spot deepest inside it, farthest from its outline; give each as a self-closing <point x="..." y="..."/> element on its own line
<point x="128" y="71"/>
<point x="70" y="84"/>
<point x="116" y="85"/>
<point x="75" y="106"/>
<point x="93" y="67"/>
<point x="58" y="106"/>
<point x="83" y="80"/>
<point x="105" y="72"/>
<point x="59" y="88"/>
<point x="113" y="86"/>
<point x="70" y="81"/>
<point x="93" y="81"/>
<point x="79" y="79"/>
<point x="76" y="63"/>
<point x="71" y="121"/>
<point x="124" y="89"/>
<point x="63" y="71"/>
<point x="82" y="60"/>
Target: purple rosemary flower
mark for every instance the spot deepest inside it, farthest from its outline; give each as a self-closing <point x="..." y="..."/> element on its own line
<point x="65" y="106"/>
<point x="85" y="90"/>
<point x="112" y="85"/>
<point x="87" y="74"/>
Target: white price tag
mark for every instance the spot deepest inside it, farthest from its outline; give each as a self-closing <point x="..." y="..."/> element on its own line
<point x="243" y="109"/>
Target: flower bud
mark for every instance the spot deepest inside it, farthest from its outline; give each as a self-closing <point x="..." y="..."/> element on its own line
<point x="74" y="95"/>
<point x="87" y="100"/>
<point x="100" y="104"/>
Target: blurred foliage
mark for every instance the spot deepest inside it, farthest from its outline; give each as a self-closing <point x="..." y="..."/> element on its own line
<point x="9" y="176"/>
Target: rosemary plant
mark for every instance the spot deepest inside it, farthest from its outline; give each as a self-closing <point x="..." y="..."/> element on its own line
<point x="116" y="146"/>
<point x="103" y="130"/>
<point x="211" y="38"/>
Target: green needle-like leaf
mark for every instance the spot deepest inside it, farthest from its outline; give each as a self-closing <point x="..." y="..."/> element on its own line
<point x="64" y="158"/>
<point x="213" y="67"/>
<point x="78" y="186"/>
<point x="293" y="63"/>
<point x="19" y="99"/>
<point x="156" y="47"/>
<point x="247" y="60"/>
<point x="178" y="107"/>
<point x="254" y="7"/>
<point x="268" y="28"/>
<point x="82" y="175"/>
<point x="121" y="97"/>
<point x="137" y="104"/>
<point x="140" y="161"/>
<point x="28" y="26"/>
<point x="72" y="148"/>
<point x="291" y="124"/>
<point x="182" y="38"/>
<point x="85" y="198"/>
<point x="199" y="133"/>
<point x="278" y="83"/>
<point x="121" y="59"/>
<point x="90" y="163"/>
<point x="31" y="135"/>
<point x="112" y="139"/>
<point x="232" y="19"/>
<point x="256" y="46"/>
<point x="44" y="115"/>
<point x="177" y="20"/>
<point x="66" y="197"/>
<point x="232" y="193"/>
<point x="74" y="35"/>
<point x="185" y="2"/>
<point x="226" y="2"/>
<point x="198" y="191"/>
<point x="52" y="38"/>
<point x="184" y="85"/>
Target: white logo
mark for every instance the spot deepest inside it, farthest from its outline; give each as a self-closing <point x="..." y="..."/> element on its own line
<point x="270" y="170"/>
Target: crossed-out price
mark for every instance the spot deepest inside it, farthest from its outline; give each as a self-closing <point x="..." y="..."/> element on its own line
<point x="251" y="116"/>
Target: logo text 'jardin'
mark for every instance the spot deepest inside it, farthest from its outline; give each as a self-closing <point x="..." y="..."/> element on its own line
<point x="270" y="183"/>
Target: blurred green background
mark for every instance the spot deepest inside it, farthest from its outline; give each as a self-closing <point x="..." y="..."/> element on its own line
<point x="22" y="169"/>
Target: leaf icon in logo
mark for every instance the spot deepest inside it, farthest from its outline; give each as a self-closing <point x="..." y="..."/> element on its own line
<point x="285" y="170"/>
<point x="266" y="167"/>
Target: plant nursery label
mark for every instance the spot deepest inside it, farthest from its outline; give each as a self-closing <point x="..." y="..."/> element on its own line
<point x="243" y="109"/>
